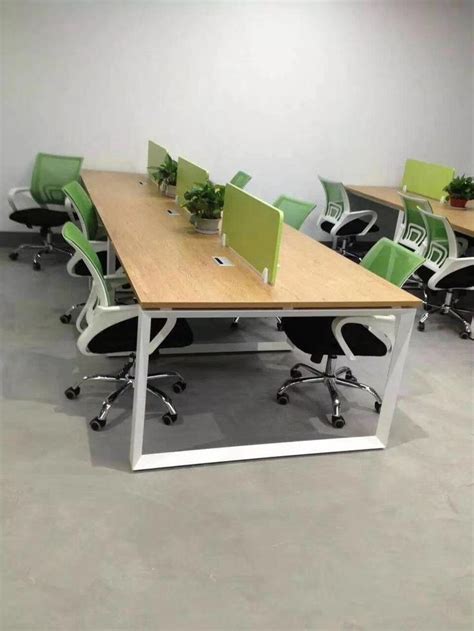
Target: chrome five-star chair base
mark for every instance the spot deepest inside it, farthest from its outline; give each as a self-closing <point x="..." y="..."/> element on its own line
<point x="331" y="378"/>
<point x="126" y="380"/>
<point x="446" y="308"/>
<point x="46" y="247"/>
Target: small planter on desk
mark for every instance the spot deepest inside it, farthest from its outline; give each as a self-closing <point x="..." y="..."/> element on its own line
<point x="205" y="203"/>
<point x="166" y="176"/>
<point x="460" y="190"/>
<point x="206" y="226"/>
<point x="169" y="190"/>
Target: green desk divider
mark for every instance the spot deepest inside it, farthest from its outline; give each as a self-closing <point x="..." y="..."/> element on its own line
<point x="426" y="179"/>
<point x="188" y="175"/>
<point x="253" y="229"/>
<point x="156" y="156"/>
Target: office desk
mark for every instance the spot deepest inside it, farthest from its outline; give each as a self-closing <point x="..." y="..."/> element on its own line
<point x="173" y="274"/>
<point x="461" y="220"/>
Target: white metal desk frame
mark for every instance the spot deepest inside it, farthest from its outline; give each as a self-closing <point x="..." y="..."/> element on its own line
<point x="139" y="460"/>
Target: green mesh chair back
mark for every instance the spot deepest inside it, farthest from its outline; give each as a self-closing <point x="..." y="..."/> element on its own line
<point x="84" y="208"/>
<point x="295" y="211"/>
<point x="337" y="202"/>
<point x="241" y="179"/>
<point x="81" y="245"/>
<point x="441" y="241"/>
<point x="391" y="261"/>
<point x="414" y="235"/>
<point x="50" y="174"/>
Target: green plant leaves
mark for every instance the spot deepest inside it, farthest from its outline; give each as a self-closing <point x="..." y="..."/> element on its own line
<point x="205" y="200"/>
<point x="461" y="187"/>
<point x="167" y="171"/>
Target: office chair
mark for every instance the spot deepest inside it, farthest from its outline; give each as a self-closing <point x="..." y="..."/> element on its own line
<point x="412" y="233"/>
<point x="112" y="330"/>
<point x="79" y="204"/>
<point x="241" y="179"/>
<point x="348" y="335"/>
<point x="50" y="173"/>
<point x="295" y="212"/>
<point x="444" y="270"/>
<point x="340" y="222"/>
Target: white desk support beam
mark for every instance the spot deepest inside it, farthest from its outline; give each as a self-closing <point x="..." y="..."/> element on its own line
<point x="140" y="461"/>
<point x="111" y="257"/>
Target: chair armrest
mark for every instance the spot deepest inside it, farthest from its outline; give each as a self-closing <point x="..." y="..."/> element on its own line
<point x="450" y="266"/>
<point x="13" y="192"/>
<point x="103" y="318"/>
<point x="383" y="327"/>
<point x="369" y="215"/>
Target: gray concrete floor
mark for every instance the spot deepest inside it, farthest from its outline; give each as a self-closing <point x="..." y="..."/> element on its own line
<point x="374" y="540"/>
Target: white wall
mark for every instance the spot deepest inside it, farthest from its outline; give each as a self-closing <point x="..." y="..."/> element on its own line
<point x="283" y="91"/>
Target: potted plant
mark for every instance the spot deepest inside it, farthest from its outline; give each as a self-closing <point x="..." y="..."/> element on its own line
<point x="460" y="191"/>
<point x="166" y="176"/>
<point x="205" y="203"/>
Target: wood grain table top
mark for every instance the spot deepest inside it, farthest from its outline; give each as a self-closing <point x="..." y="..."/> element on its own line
<point x="170" y="265"/>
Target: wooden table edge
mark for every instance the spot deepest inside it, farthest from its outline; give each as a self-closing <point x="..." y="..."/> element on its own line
<point x="232" y="306"/>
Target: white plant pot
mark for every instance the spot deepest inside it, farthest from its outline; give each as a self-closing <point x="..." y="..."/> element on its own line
<point x="170" y="190"/>
<point x="205" y="226"/>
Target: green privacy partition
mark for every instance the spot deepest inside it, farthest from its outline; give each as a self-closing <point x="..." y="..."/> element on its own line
<point x="426" y="179"/>
<point x="156" y="156"/>
<point x="253" y="229"/>
<point x="189" y="174"/>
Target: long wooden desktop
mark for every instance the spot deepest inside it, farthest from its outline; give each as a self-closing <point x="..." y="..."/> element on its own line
<point x="173" y="273"/>
<point x="462" y="220"/>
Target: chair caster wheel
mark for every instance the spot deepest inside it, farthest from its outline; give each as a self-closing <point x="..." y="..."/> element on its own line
<point x="279" y="326"/>
<point x="464" y="335"/>
<point x="338" y="422"/>
<point x="234" y="325"/>
<point x="295" y="373"/>
<point x="13" y="256"/>
<point x="283" y="399"/>
<point x="378" y="407"/>
<point x="65" y="318"/>
<point x="36" y="266"/>
<point x="169" y="419"/>
<point x="97" y="424"/>
<point x="421" y="326"/>
<point x="179" y="386"/>
<point x="72" y="393"/>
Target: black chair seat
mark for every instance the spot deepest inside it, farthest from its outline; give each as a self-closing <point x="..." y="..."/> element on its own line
<point x="81" y="268"/>
<point x="424" y="273"/>
<point x="122" y="337"/>
<point x="462" y="278"/>
<point x="354" y="227"/>
<point x="39" y="217"/>
<point x="314" y="336"/>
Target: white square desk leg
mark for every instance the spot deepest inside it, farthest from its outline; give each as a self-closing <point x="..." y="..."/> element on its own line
<point x="140" y="385"/>
<point x="111" y="257"/>
<point x="397" y="361"/>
